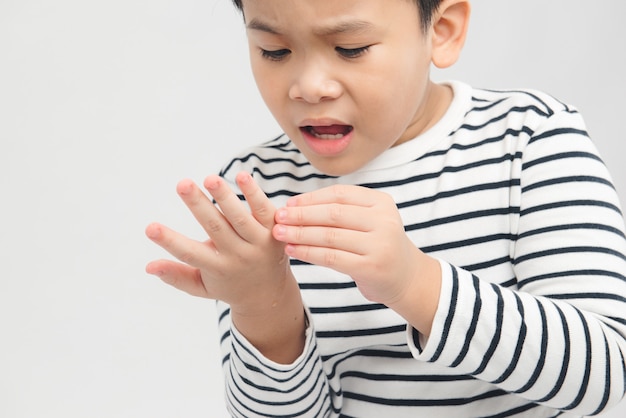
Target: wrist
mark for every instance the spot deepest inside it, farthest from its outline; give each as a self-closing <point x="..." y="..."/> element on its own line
<point x="262" y="295"/>
<point x="275" y="322"/>
<point x="419" y="301"/>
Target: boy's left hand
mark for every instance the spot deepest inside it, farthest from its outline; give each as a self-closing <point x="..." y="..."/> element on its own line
<point x="240" y="264"/>
<point x="356" y="231"/>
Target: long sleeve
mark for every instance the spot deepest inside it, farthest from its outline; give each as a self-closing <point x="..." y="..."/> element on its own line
<point x="558" y="337"/>
<point x="258" y="387"/>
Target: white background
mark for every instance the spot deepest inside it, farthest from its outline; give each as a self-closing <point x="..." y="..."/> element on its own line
<point x="105" y="105"/>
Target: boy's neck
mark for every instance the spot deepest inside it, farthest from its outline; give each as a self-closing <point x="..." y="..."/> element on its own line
<point x="438" y="100"/>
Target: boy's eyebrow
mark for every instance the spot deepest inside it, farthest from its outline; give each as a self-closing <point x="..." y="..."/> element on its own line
<point x="352" y="26"/>
<point x="263" y="27"/>
<point x="348" y="26"/>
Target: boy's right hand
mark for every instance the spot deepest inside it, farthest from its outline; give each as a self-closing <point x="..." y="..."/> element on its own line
<point x="241" y="263"/>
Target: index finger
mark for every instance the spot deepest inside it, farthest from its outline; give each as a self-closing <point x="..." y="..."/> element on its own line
<point x="245" y="224"/>
<point x="338" y="193"/>
<point x="261" y="207"/>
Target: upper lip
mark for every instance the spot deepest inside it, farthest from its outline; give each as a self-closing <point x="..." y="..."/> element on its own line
<point x="322" y="122"/>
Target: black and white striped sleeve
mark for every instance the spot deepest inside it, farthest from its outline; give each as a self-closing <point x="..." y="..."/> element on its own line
<point x="558" y="337"/>
<point x="258" y="387"/>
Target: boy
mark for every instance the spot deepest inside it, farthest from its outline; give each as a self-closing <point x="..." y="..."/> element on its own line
<point x="408" y="248"/>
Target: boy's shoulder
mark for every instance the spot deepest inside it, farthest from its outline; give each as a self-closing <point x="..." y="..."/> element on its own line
<point x="520" y="99"/>
<point x="486" y="111"/>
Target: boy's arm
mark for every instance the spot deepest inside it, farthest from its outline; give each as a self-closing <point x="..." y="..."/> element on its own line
<point x="268" y="352"/>
<point x="559" y="337"/>
<point x="240" y="264"/>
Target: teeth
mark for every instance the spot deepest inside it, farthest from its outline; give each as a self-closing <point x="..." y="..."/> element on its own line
<point x="328" y="136"/>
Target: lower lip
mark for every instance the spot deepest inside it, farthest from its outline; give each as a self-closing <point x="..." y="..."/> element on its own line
<point x="326" y="147"/>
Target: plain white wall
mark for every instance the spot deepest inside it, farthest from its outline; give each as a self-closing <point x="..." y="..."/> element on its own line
<point x="105" y="105"/>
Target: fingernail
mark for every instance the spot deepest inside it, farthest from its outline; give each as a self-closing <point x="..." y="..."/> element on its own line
<point x="281" y="215"/>
<point x="280" y="230"/>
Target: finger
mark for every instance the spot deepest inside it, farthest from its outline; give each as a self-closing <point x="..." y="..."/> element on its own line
<point x="205" y="212"/>
<point x="357" y="218"/>
<point x="262" y="209"/>
<point x="341" y="261"/>
<point x="234" y="211"/>
<point x="322" y="237"/>
<point x="338" y="193"/>
<point x="181" y="276"/>
<point x="196" y="254"/>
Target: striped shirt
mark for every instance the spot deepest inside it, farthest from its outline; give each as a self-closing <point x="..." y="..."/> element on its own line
<point x="508" y="192"/>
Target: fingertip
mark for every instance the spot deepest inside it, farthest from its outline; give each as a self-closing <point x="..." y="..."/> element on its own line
<point x="281" y="215"/>
<point x="184" y="186"/>
<point x="243" y="178"/>
<point x="290" y="250"/>
<point x="212" y="182"/>
<point x="153" y="269"/>
<point x="153" y="230"/>
<point x="279" y="232"/>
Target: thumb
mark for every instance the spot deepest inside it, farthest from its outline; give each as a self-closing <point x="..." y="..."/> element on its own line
<point x="180" y="276"/>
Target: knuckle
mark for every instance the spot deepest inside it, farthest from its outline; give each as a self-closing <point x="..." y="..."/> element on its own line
<point x="339" y="192"/>
<point x="334" y="213"/>
<point x="187" y="257"/>
<point x="298" y="215"/>
<point x="330" y="237"/>
<point x="330" y="258"/>
<point x="262" y="212"/>
<point x="239" y="222"/>
<point x="299" y="233"/>
<point x="213" y="226"/>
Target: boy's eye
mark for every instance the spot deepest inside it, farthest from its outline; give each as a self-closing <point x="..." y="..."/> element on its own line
<point x="276" y="55"/>
<point x="351" y="52"/>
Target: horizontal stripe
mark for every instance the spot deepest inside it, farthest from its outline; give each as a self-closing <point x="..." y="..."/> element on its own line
<point x="568" y="250"/>
<point x="347" y="309"/>
<point x="360" y="332"/>
<point x="424" y="402"/>
<point x="563" y="180"/>
<point x="569" y="204"/>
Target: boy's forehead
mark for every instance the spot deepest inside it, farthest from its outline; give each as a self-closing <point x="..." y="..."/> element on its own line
<point x="345" y="25"/>
<point x="322" y="17"/>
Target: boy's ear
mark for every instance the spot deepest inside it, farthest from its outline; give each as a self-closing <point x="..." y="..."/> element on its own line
<point x="448" y="30"/>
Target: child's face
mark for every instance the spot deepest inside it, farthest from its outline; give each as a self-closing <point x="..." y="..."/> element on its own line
<point x="345" y="79"/>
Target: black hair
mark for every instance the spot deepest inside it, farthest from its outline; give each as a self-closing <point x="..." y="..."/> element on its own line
<point x="427" y="9"/>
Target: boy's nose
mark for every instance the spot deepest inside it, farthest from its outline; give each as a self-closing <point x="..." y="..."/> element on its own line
<point x="314" y="86"/>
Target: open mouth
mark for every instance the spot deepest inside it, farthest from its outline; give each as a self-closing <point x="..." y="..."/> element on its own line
<point x="327" y="132"/>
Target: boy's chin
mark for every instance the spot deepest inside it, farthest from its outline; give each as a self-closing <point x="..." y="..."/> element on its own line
<point x="335" y="167"/>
